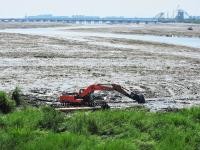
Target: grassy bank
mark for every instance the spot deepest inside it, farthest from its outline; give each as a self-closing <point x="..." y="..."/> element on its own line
<point x="45" y="128"/>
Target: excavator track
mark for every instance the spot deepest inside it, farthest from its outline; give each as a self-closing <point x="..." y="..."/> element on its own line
<point x="153" y="104"/>
<point x="100" y="104"/>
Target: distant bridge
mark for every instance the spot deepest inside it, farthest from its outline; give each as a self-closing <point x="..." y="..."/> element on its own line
<point x="84" y="20"/>
<point x="161" y="17"/>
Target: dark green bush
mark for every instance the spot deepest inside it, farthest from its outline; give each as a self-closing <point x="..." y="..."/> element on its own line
<point x="92" y="126"/>
<point x="51" y="119"/>
<point x="6" y="104"/>
<point x="16" y="96"/>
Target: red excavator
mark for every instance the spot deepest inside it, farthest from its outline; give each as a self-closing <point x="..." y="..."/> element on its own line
<point x="85" y="96"/>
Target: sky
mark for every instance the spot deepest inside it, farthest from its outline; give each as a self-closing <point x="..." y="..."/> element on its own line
<point x="127" y="8"/>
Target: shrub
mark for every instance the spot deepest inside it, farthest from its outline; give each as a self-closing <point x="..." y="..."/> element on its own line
<point x="16" y="96"/>
<point x="51" y="119"/>
<point x="6" y="104"/>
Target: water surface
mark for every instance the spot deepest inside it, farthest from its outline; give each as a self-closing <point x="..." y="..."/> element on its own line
<point x="81" y="36"/>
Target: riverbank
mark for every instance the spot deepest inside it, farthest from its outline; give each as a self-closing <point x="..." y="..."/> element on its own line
<point x="169" y="30"/>
<point x="23" y="25"/>
<point x="45" y="128"/>
<point x="161" y="29"/>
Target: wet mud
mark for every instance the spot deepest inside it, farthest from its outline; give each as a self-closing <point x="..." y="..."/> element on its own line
<point x="168" y="75"/>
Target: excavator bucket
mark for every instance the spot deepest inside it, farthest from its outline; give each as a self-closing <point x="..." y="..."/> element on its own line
<point x="138" y="97"/>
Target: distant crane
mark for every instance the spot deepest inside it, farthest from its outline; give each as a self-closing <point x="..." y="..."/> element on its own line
<point x="161" y="15"/>
<point x="181" y="15"/>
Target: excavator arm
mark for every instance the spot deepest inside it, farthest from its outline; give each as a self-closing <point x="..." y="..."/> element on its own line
<point x="113" y="87"/>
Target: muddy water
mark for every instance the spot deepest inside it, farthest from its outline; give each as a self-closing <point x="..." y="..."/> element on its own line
<point x="77" y="35"/>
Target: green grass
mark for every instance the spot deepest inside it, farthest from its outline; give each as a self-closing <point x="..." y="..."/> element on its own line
<point x="45" y="128"/>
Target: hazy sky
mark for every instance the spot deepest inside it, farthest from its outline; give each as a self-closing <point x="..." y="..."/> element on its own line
<point x="129" y="8"/>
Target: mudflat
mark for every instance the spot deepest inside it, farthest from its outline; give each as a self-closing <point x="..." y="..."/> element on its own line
<point x="55" y="64"/>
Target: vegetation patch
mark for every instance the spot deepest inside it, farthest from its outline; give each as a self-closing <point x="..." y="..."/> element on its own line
<point x="6" y="104"/>
<point x="16" y="96"/>
<point x="46" y="128"/>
